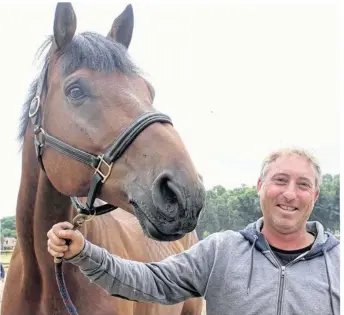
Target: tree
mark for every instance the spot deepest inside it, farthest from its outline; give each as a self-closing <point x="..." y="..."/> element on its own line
<point x="6" y="232"/>
<point x="8" y="223"/>
<point x="8" y="227"/>
<point x="327" y="207"/>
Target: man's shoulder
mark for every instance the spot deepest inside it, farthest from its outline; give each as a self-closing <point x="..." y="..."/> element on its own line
<point x="336" y="250"/>
<point x="225" y="237"/>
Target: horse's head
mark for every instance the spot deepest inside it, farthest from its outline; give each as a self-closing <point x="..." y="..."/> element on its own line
<point x="92" y="93"/>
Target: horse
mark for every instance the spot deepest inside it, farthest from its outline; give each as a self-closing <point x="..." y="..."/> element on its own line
<point x="88" y="93"/>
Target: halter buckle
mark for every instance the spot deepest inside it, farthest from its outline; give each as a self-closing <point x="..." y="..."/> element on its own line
<point x="39" y="135"/>
<point x="106" y="174"/>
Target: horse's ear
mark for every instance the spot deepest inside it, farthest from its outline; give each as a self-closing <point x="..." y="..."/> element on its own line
<point x="122" y="27"/>
<point x="64" y="24"/>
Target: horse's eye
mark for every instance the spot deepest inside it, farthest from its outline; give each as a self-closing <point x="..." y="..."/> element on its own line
<point x="75" y="93"/>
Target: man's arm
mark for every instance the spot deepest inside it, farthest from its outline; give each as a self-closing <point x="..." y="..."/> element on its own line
<point x="170" y="281"/>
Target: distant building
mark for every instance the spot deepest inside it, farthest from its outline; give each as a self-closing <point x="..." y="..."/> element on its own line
<point x="9" y="243"/>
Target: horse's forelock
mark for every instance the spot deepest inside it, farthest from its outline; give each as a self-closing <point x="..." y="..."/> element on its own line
<point x="98" y="53"/>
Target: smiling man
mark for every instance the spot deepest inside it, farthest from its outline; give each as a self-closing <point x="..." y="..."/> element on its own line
<point x="288" y="189"/>
<point x="280" y="264"/>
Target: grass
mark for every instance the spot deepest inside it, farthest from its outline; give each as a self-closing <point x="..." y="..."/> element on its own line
<point x="5" y="259"/>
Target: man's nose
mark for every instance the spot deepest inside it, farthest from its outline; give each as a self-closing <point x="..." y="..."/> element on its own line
<point x="290" y="192"/>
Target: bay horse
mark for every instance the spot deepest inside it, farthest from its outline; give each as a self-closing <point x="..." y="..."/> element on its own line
<point x="88" y="94"/>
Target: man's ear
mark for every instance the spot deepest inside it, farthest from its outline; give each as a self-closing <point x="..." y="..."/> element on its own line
<point x="316" y="195"/>
<point x="259" y="185"/>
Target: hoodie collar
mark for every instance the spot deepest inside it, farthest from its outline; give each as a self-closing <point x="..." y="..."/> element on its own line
<point x="324" y="241"/>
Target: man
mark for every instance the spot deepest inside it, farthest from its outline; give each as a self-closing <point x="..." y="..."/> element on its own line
<point x="281" y="264"/>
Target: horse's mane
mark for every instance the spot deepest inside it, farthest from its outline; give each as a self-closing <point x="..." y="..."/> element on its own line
<point x="87" y="50"/>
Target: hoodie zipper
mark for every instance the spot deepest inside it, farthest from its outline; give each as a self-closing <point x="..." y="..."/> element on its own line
<point x="281" y="285"/>
<point x="280" y="291"/>
<point x="282" y="278"/>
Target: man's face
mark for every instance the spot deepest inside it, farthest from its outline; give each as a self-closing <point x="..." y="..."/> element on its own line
<point x="287" y="194"/>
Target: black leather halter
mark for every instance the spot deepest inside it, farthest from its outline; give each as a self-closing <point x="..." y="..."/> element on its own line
<point x="102" y="164"/>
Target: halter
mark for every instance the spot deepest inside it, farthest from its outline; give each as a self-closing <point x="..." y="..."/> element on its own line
<point x="102" y="164"/>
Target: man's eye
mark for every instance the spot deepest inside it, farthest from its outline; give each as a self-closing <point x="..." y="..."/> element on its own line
<point x="304" y="185"/>
<point x="280" y="180"/>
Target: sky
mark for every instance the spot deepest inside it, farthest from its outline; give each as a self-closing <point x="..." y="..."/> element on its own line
<point x="238" y="78"/>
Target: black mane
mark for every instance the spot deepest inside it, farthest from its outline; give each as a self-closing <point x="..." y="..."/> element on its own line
<point x="87" y="50"/>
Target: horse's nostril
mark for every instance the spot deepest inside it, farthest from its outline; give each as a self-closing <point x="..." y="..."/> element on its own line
<point x="167" y="196"/>
<point x="174" y="194"/>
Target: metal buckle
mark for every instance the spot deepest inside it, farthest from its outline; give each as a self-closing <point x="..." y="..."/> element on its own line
<point x="36" y="99"/>
<point x="39" y="135"/>
<point x="109" y="166"/>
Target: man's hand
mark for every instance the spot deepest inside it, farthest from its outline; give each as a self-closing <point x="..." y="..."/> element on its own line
<point x="57" y="246"/>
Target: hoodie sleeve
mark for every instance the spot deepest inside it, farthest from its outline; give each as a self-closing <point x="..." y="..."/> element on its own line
<point x="170" y="281"/>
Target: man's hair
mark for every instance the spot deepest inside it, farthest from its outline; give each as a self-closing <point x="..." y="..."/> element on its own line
<point x="273" y="156"/>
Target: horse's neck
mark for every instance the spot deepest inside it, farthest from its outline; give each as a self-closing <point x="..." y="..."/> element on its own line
<point x="39" y="207"/>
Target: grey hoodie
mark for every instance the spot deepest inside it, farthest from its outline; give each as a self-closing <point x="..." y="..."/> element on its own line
<point x="236" y="272"/>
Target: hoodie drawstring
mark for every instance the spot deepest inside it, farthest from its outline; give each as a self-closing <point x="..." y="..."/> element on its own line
<point x="251" y="268"/>
<point x="329" y="281"/>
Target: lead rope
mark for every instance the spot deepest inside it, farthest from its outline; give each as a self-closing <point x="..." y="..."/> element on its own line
<point x="78" y="221"/>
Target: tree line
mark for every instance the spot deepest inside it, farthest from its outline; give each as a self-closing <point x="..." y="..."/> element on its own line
<point x="235" y="208"/>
